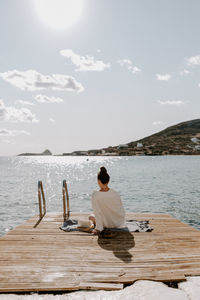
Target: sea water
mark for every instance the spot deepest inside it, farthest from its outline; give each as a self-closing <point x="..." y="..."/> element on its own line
<point x="153" y="184"/>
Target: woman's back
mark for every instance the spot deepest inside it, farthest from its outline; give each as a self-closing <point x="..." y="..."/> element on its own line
<point x="108" y="209"/>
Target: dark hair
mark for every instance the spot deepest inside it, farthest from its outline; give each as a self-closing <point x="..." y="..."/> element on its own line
<point x="103" y="175"/>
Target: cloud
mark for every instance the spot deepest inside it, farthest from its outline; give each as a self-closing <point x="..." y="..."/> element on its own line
<point x="173" y="102"/>
<point x="185" y="72"/>
<point x="164" y="77"/>
<point x="193" y="61"/>
<point x="128" y="63"/>
<point x="8" y="142"/>
<point x="22" y="102"/>
<point x="84" y="63"/>
<point x="52" y="120"/>
<point x="7" y="132"/>
<point x="31" y="80"/>
<point x="9" y="113"/>
<point x="155" y="123"/>
<point x="46" y="99"/>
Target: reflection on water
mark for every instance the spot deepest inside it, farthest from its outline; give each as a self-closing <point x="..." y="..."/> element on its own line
<point x="167" y="184"/>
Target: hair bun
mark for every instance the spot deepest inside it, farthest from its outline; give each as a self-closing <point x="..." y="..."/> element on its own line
<point x="103" y="176"/>
<point x="103" y="170"/>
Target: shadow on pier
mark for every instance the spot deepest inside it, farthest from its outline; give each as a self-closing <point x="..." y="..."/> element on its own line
<point x="119" y="243"/>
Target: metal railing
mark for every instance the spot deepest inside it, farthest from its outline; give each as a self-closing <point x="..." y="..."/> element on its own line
<point x="41" y="203"/>
<point x="65" y="196"/>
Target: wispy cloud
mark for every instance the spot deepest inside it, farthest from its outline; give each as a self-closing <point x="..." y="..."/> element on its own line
<point x="52" y="120"/>
<point x="45" y="99"/>
<point x="185" y="72"/>
<point x="193" y="61"/>
<point x="31" y="80"/>
<point x="84" y="63"/>
<point x="173" y="102"/>
<point x="129" y="65"/>
<point x="10" y="142"/>
<point x="164" y="77"/>
<point x="7" y="132"/>
<point x="155" y="123"/>
<point x="22" y="102"/>
<point x="10" y="113"/>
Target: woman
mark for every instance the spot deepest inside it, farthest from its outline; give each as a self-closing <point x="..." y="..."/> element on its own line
<point x="107" y="205"/>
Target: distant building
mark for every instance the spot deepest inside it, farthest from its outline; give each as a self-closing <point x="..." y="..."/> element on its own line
<point x="94" y="152"/>
<point x="195" y="140"/>
<point x="139" y="145"/>
<point x="197" y="147"/>
<point x="122" y="146"/>
<point x="79" y="153"/>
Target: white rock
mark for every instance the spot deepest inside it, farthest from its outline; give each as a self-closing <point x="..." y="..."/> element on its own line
<point x="191" y="287"/>
<point x="150" y="290"/>
<point x="140" y="290"/>
<point x="194" y="279"/>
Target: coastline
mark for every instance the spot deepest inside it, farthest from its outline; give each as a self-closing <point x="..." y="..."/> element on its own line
<point x="179" y="139"/>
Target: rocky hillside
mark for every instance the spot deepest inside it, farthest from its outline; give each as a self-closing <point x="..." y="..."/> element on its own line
<point x="46" y="152"/>
<point x="183" y="138"/>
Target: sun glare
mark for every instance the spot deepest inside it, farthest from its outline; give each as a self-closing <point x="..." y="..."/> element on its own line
<point x="59" y="14"/>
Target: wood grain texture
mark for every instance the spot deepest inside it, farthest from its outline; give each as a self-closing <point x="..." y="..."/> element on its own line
<point x="47" y="259"/>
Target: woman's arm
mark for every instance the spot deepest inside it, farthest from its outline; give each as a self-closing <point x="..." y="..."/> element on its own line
<point x="97" y="213"/>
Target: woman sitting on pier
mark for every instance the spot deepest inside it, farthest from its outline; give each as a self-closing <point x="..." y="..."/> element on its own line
<point x="107" y="206"/>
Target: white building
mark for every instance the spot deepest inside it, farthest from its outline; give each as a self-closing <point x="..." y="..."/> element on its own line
<point x="195" y="140"/>
<point x="122" y="146"/>
<point x="139" y="145"/>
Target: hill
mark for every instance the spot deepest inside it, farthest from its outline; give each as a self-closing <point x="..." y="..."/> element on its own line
<point x="180" y="139"/>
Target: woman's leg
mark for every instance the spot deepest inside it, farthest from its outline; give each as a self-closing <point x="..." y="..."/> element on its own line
<point x="93" y="224"/>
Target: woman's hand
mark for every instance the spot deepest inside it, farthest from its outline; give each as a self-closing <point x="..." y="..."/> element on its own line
<point x="95" y="232"/>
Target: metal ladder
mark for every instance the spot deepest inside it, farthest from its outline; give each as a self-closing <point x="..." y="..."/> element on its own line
<point x="65" y="196"/>
<point x="42" y="202"/>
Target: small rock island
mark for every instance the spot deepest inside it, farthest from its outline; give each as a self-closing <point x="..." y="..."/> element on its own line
<point x="44" y="153"/>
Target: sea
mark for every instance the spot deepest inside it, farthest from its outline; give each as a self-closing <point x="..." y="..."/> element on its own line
<point x="147" y="184"/>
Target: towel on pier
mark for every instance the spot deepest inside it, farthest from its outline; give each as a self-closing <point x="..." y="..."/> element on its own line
<point x="70" y="225"/>
<point x="131" y="226"/>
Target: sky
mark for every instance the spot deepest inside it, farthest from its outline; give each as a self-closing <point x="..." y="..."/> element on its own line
<point x="97" y="74"/>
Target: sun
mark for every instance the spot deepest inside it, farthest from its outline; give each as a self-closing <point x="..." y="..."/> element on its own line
<point x="59" y="14"/>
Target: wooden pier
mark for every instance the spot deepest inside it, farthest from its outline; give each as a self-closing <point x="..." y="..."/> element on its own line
<point x="46" y="258"/>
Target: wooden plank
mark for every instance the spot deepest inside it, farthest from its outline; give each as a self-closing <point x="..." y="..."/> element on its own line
<point x="100" y="286"/>
<point x="38" y="287"/>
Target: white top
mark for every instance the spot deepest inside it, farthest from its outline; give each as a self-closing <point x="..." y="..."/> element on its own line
<point x="108" y="209"/>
